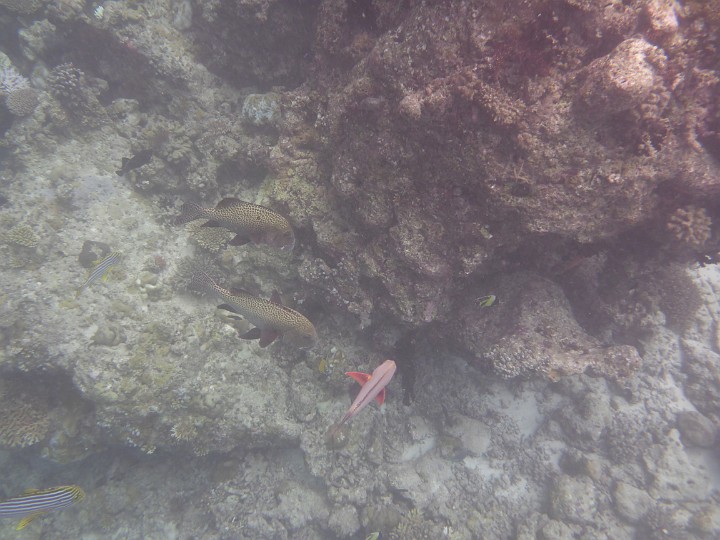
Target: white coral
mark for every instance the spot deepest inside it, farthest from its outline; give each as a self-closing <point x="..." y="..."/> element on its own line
<point x="11" y="81"/>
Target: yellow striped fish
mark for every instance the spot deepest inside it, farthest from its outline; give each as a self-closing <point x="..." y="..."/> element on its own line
<point x="36" y="502"/>
<point x="270" y="318"/>
<point x="100" y="271"/>
<point x="250" y="222"/>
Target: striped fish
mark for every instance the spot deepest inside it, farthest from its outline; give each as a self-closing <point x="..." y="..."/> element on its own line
<point x="100" y="271"/>
<point x="270" y="318"/>
<point x="36" y="502"/>
<point x="250" y="222"/>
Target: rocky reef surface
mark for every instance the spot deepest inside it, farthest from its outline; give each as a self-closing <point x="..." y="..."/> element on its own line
<point x="561" y="155"/>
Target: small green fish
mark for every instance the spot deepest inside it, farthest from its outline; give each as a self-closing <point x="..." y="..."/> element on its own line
<point x="100" y="271"/>
<point x="36" y="502"/>
<point x="373" y="536"/>
<point x="270" y="318"/>
<point x="250" y="222"/>
<point x="486" y="301"/>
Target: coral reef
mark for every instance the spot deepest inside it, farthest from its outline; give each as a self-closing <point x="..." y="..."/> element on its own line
<point x="24" y="7"/>
<point x="560" y="156"/>
<point x="533" y="332"/>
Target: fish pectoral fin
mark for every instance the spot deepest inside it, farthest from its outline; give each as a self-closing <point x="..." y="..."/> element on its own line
<point x="267" y="337"/>
<point x="360" y="377"/>
<point x="211" y="223"/>
<point x="24" y="522"/>
<point x="255" y="333"/>
<point x="380" y="398"/>
<point x="259" y="238"/>
<point x="239" y="240"/>
<point x="228" y="202"/>
<point x="275" y="298"/>
<point x="227" y="307"/>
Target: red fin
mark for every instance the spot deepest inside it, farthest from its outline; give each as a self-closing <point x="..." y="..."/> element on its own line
<point x="228" y="201"/>
<point x="275" y="298"/>
<point x="267" y="337"/>
<point x="360" y="377"/>
<point x="380" y="398"/>
<point x="211" y="223"/>
<point x="255" y="333"/>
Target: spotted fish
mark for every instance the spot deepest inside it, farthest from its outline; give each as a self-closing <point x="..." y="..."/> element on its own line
<point x="36" y="502"/>
<point x="250" y="222"/>
<point x="100" y="271"/>
<point x="270" y="318"/>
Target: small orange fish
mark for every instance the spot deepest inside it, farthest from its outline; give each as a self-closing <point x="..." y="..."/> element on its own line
<point x="373" y="387"/>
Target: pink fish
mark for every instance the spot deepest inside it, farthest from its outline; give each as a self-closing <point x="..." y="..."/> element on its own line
<point x="373" y="387"/>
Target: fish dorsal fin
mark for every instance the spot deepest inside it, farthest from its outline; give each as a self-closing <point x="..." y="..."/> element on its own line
<point x="380" y="398"/>
<point x="267" y="337"/>
<point x="227" y="202"/>
<point x="360" y="377"/>
<point x="30" y="491"/>
<point x="24" y="522"/>
<point x="275" y="298"/>
<point x="237" y="291"/>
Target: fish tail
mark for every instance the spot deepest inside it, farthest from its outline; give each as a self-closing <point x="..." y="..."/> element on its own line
<point x="189" y="212"/>
<point x="331" y="432"/>
<point x="333" y="439"/>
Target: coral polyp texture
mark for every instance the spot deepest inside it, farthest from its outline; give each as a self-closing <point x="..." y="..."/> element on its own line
<point x="25" y="419"/>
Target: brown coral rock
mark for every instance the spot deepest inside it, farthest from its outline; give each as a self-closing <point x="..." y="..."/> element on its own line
<point x="623" y="79"/>
<point x="691" y="225"/>
<point x="533" y="332"/>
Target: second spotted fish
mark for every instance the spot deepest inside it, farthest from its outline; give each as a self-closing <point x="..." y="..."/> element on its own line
<point x="270" y="318"/>
<point x="250" y="222"/>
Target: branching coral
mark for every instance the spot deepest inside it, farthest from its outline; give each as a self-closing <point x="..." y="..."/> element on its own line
<point x="691" y="225"/>
<point x="184" y="429"/>
<point x="414" y="525"/>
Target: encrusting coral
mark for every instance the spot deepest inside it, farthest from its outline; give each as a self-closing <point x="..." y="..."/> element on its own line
<point x="21" y="235"/>
<point x="25" y="419"/>
<point x="691" y="225"/>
